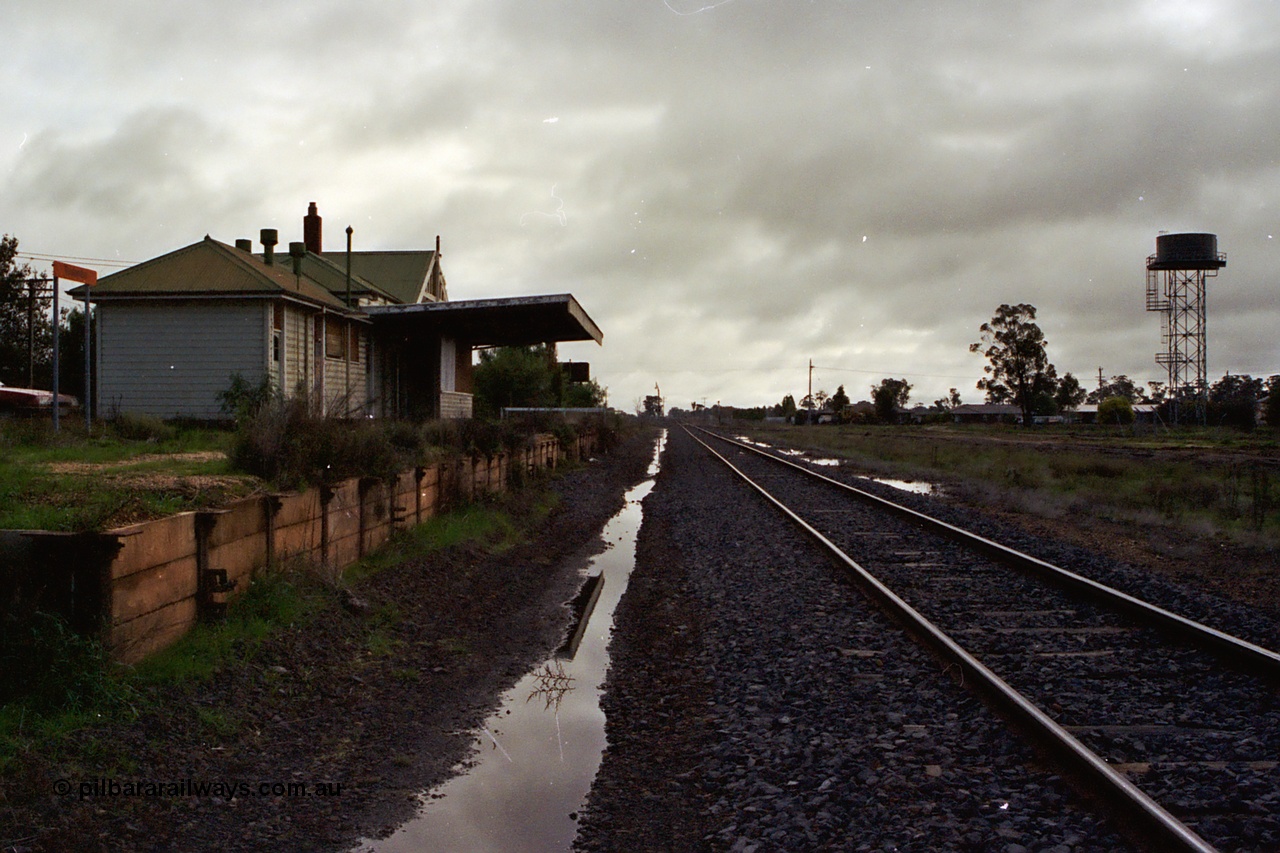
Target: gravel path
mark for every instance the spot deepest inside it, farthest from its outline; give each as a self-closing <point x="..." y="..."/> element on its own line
<point x="756" y="704"/>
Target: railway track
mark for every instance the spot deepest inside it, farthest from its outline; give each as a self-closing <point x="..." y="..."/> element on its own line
<point x="1172" y="725"/>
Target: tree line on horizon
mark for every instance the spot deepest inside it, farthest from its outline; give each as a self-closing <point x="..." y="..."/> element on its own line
<point x="1018" y="372"/>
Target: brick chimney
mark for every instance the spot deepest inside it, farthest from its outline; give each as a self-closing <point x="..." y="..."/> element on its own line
<point x="311" y="229"/>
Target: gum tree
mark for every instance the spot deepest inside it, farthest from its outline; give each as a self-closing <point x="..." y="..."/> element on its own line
<point x="1018" y="368"/>
<point x="889" y="396"/>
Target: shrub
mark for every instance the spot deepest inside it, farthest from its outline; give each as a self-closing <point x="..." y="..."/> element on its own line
<point x="243" y="399"/>
<point x="1115" y="410"/>
<point x="283" y="442"/>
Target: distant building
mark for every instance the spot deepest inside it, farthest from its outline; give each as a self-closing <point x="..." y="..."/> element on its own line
<point x="1088" y="413"/>
<point x="986" y="413"/>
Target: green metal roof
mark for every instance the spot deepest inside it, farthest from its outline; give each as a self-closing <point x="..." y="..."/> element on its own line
<point x="211" y="268"/>
<point x="332" y="275"/>
<point x="402" y="274"/>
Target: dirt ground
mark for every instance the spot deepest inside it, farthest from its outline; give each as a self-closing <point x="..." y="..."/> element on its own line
<point x="98" y="467"/>
<point x="318" y="706"/>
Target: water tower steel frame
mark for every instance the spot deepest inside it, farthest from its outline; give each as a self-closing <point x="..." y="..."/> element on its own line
<point x="1176" y="276"/>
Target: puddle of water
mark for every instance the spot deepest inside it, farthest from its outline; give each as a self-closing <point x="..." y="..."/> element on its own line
<point x="812" y="460"/>
<point x="539" y="752"/>
<point x="919" y="488"/>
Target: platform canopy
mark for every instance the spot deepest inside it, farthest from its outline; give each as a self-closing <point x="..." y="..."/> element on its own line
<point x="510" y="321"/>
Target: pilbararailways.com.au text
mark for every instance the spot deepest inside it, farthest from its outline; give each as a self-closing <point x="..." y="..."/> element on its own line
<point x="223" y="789"/>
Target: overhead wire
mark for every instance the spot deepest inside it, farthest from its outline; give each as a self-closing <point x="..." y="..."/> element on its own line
<point x="37" y="256"/>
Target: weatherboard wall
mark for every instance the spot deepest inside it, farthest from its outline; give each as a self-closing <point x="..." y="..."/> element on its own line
<point x="173" y="358"/>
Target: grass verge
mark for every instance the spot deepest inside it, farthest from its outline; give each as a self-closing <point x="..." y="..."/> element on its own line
<point x="1211" y="482"/>
<point x="78" y="480"/>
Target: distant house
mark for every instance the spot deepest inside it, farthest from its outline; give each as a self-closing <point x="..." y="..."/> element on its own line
<point x="986" y="413"/>
<point x="383" y="341"/>
<point x="920" y="414"/>
<point x="1087" y="413"/>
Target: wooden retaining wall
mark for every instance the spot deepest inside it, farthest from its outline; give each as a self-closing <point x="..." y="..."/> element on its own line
<point x="153" y="581"/>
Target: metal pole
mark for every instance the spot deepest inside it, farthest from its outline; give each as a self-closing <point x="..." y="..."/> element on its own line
<point x="55" y="354"/>
<point x="31" y="332"/>
<point x="88" y="380"/>
<point x="346" y="341"/>
<point x="349" y="230"/>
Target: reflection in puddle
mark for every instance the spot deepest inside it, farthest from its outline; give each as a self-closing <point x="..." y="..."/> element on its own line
<point x="551" y="685"/>
<point x="539" y="752"/>
<point x="919" y="488"/>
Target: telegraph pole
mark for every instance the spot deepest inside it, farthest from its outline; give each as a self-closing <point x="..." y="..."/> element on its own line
<point x="56" y="323"/>
<point x="35" y="293"/>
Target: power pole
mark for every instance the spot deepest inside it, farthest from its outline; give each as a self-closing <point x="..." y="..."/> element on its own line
<point x="1099" y="384"/>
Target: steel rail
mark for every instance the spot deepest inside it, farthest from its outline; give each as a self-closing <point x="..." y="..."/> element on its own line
<point x="1242" y="653"/>
<point x="1152" y="826"/>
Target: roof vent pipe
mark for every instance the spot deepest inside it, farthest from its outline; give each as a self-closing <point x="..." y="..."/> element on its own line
<point x="244" y="245"/>
<point x="269" y="238"/>
<point x="297" y="251"/>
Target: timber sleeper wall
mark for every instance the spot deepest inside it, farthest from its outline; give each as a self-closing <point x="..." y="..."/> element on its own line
<point x="146" y="585"/>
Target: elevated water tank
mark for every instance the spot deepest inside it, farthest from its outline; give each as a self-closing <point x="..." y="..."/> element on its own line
<point x="1186" y="252"/>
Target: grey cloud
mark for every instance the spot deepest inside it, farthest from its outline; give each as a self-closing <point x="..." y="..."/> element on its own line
<point x="148" y="165"/>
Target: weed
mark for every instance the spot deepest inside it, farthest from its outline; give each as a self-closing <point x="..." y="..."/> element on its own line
<point x="218" y="722"/>
<point x="273" y="600"/>
<point x="380" y="643"/>
<point x="453" y="646"/>
<point x="53" y="682"/>
<point x="49" y="667"/>
<point x="242" y="399"/>
<point x="133" y="427"/>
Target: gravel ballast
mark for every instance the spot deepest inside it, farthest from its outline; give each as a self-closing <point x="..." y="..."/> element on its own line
<point x="755" y="702"/>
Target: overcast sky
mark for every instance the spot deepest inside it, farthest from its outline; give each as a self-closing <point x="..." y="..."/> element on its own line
<point x="729" y="188"/>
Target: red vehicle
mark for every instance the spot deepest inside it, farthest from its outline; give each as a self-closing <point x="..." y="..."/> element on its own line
<point x="31" y="401"/>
